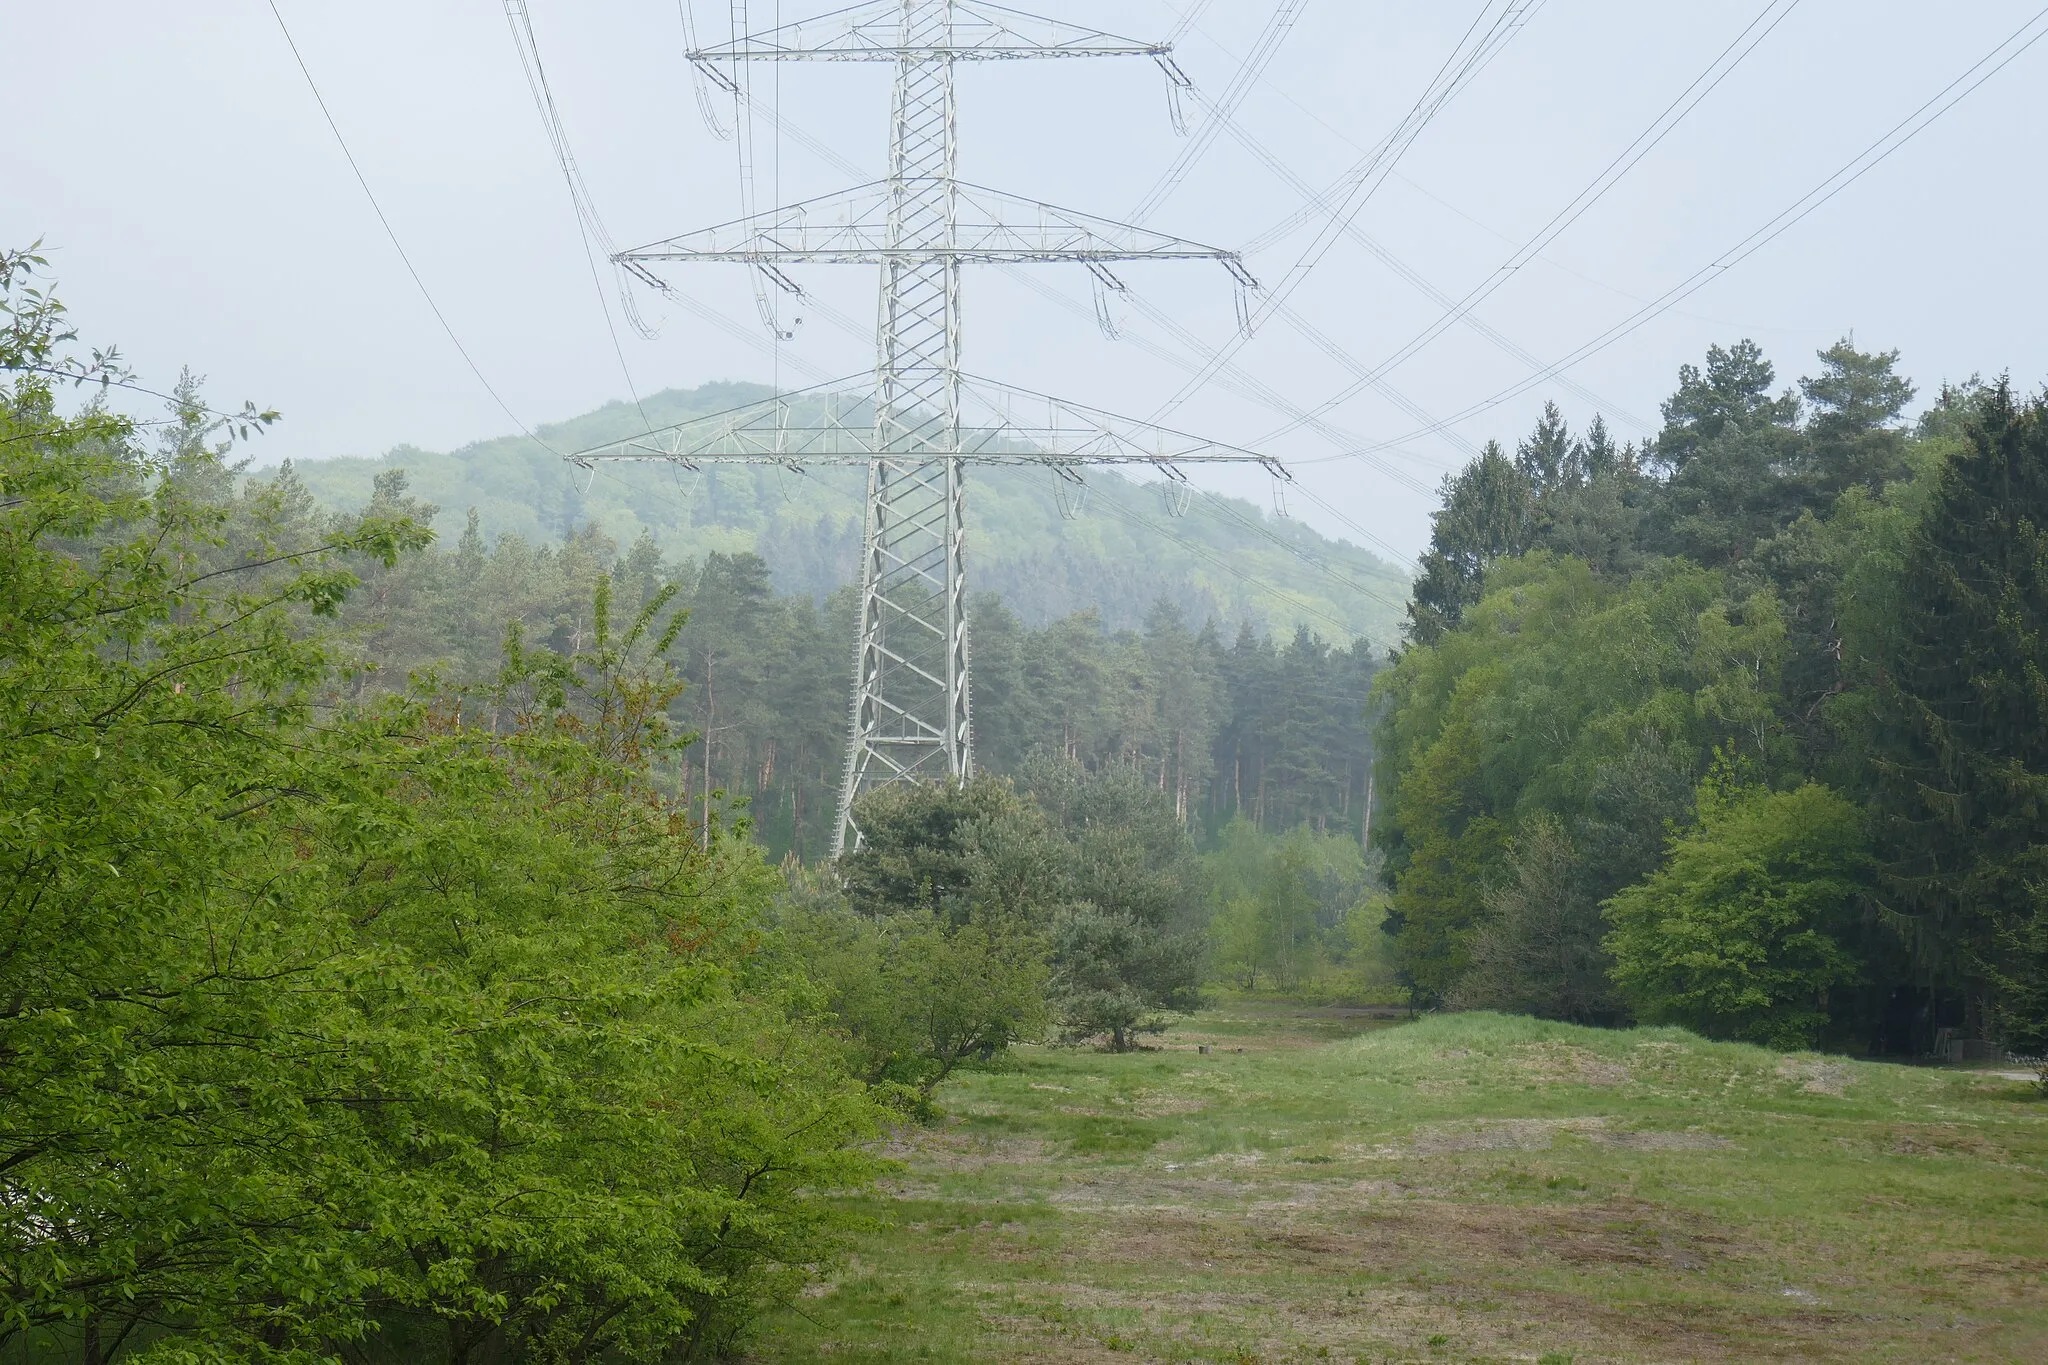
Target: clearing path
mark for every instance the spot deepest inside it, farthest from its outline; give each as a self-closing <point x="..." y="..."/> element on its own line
<point x="1325" y="1185"/>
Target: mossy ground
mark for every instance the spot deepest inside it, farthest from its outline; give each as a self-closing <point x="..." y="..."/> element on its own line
<point x="1322" y="1185"/>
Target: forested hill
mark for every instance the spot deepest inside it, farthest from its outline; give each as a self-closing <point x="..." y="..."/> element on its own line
<point x="1121" y="551"/>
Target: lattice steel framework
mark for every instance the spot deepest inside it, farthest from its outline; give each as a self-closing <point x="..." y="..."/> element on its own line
<point x="910" y="711"/>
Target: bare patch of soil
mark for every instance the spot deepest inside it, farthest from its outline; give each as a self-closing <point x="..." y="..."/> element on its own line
<point x="933" y="1150"/>
<point x="1559" y="1063"/>
<point x="1498" y="1135"/>
<point x="1651" y="1140"/>
<point x="1815" y="1076"/>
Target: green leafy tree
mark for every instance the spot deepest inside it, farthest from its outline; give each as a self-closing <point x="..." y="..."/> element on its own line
<point x="1285" y="906"/>
<point x="424" y="1028"/>
<point x="943" y="849"/>
<point x="917" y="998"/>
<point x="171" y="987"/>
<point x="1747" y="927"/>
<point x="1114" y="974"/>
<point x="1558" y="684"/>
<point x="1857" y="402"/>
<point x="1129" y="943"/>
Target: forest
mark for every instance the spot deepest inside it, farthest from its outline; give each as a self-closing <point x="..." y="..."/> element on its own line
<point x="1275" y="731"/>
<point x="423" y="948"/>
<point x="1048" y="547"/>
<point x="1744" y="728"/>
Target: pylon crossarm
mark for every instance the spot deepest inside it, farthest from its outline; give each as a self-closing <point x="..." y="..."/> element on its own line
<point x="853" y="227"/>
<point x="1000" y="424"/>
<point x="874" y="33"/>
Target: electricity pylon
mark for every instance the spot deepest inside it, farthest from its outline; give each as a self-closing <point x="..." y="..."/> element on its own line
<point x="910" y="714"/>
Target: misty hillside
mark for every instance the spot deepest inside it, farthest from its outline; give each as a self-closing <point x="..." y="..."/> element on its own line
<point x="1121" y="550"/>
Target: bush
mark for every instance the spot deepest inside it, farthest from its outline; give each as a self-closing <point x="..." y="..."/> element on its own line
<point x="915" y="997"/>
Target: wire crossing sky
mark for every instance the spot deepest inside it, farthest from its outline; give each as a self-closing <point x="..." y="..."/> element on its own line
<point x="1507" y="258"/>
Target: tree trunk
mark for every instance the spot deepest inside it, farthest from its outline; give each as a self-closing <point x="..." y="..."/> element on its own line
<point x="710" y="716"/>
<point x="1365" y="826"/>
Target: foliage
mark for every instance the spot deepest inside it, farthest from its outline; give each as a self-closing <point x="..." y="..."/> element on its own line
<point x="1558" y="692"/>
<point x="1783" y="575"/>
<point x="1539" y="949"/>
<point x="1115" y="970"/>
<point x="169" y="975"/>
<point x="1488" y="513"/>
<point x="935" y="848"/>
<point x="1093" y="868"/>
<point x="1746" y="928"/>
<point x="1959" y="719"/>
<point x="1273" y="728"/>
<point x="1284" y="908"/>
<point x="420" y="1029"/>
<point x="916" y="997"/>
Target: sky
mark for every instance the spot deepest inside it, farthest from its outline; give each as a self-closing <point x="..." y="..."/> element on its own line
<point x="199" y="213"/>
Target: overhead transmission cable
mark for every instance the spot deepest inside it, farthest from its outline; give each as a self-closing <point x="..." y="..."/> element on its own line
<point x="1483" y="40"/>
<point x="588" y="221"/>
<point x="1315" y="198"/>
<point x="1394" y="263"/>
<point x="1300" y="552"/>
<point x="1745" y="42"/>
<point x="1898" y="135"/>
<point x="1231" y="377"/>
<point x="1189" y="17"/>
<point x="391" y="233"/>
<point x="1263" y="50"/>
<point x="1221" y="117"/>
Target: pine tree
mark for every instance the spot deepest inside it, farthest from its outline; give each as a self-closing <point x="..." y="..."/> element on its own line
<point x="1547" y="458"/>
<point x="1962" y="741"/>
<point x="1857" y="401"/>
<point x="1487" y="515"/>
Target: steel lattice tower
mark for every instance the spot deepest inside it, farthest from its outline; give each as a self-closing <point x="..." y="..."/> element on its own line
<point x="910" y="710"/>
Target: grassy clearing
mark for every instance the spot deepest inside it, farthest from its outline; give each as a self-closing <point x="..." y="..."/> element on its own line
<point x="1464" y="1188"/>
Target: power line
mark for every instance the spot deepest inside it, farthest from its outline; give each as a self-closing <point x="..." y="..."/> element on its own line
<point x="1264" y="49"/>
<point x="1688" y="99"/>
<point x="396" y="245"/>
<point x="1437" y="296"/>
<point x="1300" y="552"/>
<point x="1900" y="133"/>
<point x="1188" y="19"/>
<point x="521" y="24"/>
<point x="1221" y="117"/>
<point x="1358" y="185"/>
<point x="1315" y="199"/>
<point x="1236" y="379"/>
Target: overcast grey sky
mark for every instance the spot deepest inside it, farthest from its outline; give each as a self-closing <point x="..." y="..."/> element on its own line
<point x="199" y="212"/>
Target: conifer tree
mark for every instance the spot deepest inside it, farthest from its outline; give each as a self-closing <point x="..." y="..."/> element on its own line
<point x="1487" y="515"/>
<point x="1962" y="739"/>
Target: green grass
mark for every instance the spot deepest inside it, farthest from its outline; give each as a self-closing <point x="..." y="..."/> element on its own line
<point x="1464" y="1188"/>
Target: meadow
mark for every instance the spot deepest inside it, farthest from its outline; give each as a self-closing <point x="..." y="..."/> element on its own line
<point x="1328" y="1185"/>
